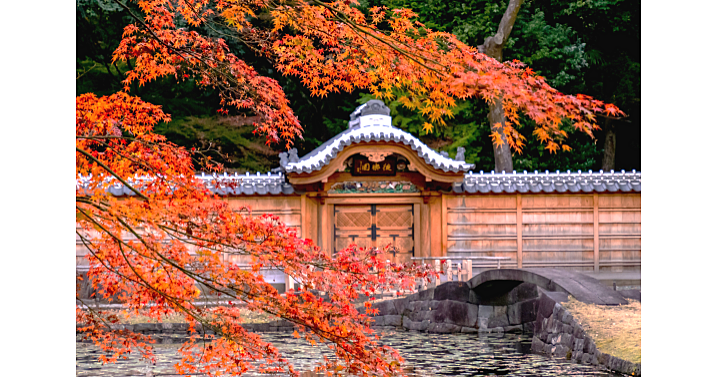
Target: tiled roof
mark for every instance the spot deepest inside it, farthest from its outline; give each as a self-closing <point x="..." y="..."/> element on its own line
<point x="223" y="184"/>
<point x="473" y="183"/>
<point x="571" y="182"/>
<point x="369" y="122"/>
<point x="260" y="184"/>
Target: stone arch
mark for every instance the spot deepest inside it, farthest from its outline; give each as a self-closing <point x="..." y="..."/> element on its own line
<point x="584" y="288"/>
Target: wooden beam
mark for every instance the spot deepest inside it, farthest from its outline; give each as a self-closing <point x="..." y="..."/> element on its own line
<point x="417" y="243"/>
<point x="596" y="235"/>
<point x="519" y="229"/>
<point x="425" y="230"/>
<point x="376" y="199"/>
<point x="444" y="226"/>
<point x="304" y="218"/>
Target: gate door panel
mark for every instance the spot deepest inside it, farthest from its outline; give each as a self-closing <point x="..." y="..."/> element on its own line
<point x="394" y="226"/>
<point x="352" y="225"/>
<point x="376" y="226"/>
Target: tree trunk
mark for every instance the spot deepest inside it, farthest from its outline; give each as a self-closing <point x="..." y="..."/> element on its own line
<point x="608" y="157"/>
<point x="493" y="47"/>
<point x="502" y="153"/>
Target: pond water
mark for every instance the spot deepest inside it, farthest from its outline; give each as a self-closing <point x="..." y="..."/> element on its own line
<point x="426" y="354"/>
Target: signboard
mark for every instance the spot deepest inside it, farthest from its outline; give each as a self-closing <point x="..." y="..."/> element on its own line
<point x="363" y="167"/>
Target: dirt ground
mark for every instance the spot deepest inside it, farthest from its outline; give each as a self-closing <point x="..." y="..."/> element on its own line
<point x="130" y="318"/>
<point x="616" y="330"/>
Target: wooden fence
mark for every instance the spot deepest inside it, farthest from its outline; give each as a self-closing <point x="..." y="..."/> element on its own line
<point x="584" y="232"/>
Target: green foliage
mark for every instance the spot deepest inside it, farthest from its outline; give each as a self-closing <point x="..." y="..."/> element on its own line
<point x="226" y="139"/>
<point x="584" y="46"/>
<point x="580" y="46"/>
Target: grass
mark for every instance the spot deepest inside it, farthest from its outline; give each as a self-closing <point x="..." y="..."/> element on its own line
<point x="616" y="330"/>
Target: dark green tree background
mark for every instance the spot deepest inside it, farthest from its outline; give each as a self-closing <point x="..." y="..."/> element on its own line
<point x="581" y="46"/>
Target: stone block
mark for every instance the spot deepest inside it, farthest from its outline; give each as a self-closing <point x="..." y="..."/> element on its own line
<point x="551" y="339"/>
<point x="452" y="290"/>
<point x="589" y="346"/>
<point x="415" y="325"/>
<point x="414" y="306"/>
<point x="523" y="292"/>
<point x="377" y="321"/>
<point x="385" y="307"/>
<point x="401" y="305"/>
<point x="469" y="330"/>
<point x="536" y="345"/>
<point x="418" y="315"/>
<point x="567" y="318"/>
<point x="565" y="339"/>
<point x="577" y="355"/>
<point x="412" y="297"/>
<point x="528" y="310"/>
<point x="558" y="311"/>
<point x="500" y="311"/>
<point x="578" y="344"/>
<point x="516" y="329"/>
<point x="585" y="358"/>
<point x="594" y="360"/>
<point x="454" y="312"/>
<point x="514" y="314"/>
<point x="473" y="297"/>
<point x="529" y="327"/>
<point x="545" y="306"/>
<point x="578" y="332"/>
<point x="554" y="326"/>
<point x="634" y="294"/>
<point x="443" y="328"/>
<point x="392" y="320"/>
<point x="543" y="335"/>
<point x="498" y="321"/>
<point x="602" y="357"/>
<point x="485" y="311"/>
<point x="547" y="349"/>
<point x="560" y="351"/>
<point x="568" y="329"/>
<point x="426" y="295"/>
<point x="483" y="322"/>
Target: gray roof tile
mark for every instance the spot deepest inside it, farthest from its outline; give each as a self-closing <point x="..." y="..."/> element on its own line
<point x="569" y="182"/>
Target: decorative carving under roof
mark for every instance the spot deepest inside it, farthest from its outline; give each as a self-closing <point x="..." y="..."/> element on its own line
<point x="377" y="156"/>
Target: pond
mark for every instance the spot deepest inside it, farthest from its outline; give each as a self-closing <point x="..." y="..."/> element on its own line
<point x="426" y="355"/>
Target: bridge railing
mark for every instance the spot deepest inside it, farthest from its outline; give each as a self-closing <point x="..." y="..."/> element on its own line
<point x="455" y="268"/>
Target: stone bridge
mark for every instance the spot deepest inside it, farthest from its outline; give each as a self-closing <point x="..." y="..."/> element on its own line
<point x="493" y="284"/>
<point x="511" y="300"/>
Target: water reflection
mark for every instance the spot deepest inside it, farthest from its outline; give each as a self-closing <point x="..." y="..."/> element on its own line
<point x="425" y="354"/>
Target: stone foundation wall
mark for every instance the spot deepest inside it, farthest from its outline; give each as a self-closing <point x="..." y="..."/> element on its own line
<point x="557" y="334"/>
<point x="454" y="308"/>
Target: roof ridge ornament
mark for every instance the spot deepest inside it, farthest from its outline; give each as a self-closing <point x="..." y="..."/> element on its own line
<point x="375" y="106"/>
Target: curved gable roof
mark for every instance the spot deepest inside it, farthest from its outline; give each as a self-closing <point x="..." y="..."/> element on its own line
<point x="370" y="122"/>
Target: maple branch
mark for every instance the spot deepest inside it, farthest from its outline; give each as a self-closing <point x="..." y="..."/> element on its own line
<point x="90" y="156"/>
<point x="348" y="20"/>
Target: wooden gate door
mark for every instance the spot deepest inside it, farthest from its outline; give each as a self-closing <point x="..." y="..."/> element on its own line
<point x="352" y="224"/>
<point x="376" y="226"/>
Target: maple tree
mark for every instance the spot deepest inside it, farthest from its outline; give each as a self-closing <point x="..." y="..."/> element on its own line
<point x="151" y="249"/>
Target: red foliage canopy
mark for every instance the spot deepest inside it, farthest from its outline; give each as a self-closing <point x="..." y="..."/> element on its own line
<point x="152" y="248"/>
